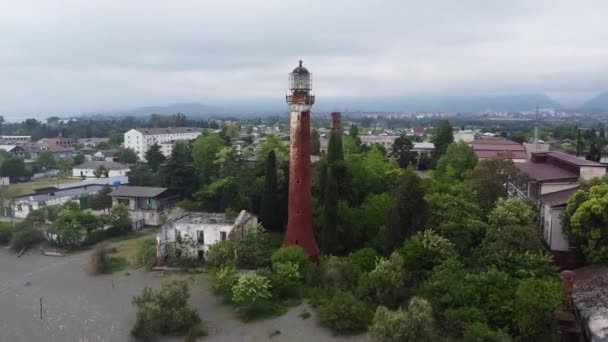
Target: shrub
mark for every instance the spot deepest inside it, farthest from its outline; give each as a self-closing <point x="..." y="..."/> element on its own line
<point x="344" y="314"/>
<point x="95" y="236"/>
<point x="364" y="258"/>
<point x="340" y="273"/>
<point x="287" y="280"/>
<point x="293" y="254"/>
<point x="535" y="303"/>
<point x="223" y="281"/>
<point x="221" y="254"/>
<point x="166" y="311"/>
<point x="116" y="264"/>
<point x="253" y="250"/>
<point x="146" y="253"/>
<point x="6" y="232"/>
<point x="385" y="285"/>
<point x="99" y="261"/>
<point x="424" y="251"/>
<point x="251" y="296"/>
<point x="25" y="238"/>
<point x="412" y="324"/>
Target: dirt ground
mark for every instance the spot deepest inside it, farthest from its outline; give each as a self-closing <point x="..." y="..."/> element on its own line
<point x="79" y="307"/>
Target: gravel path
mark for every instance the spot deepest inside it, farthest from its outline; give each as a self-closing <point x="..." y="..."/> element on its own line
<point x="78" y="307"/>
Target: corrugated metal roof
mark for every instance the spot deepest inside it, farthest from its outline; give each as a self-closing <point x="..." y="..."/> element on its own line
<point x="169" y="130"/>
<point x="545" y="172"/>
<point x="138" y="191"/>
<point x="558" y="198"/>
<point x="573" y="159"/>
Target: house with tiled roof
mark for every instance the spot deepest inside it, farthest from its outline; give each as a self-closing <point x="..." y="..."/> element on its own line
<point x="493" y="148"/>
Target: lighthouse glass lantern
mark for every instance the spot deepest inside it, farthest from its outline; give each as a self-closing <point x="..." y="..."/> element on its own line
<point x="300" y="79"/>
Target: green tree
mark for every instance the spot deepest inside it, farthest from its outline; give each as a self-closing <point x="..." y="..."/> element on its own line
<point x="585" y="221"/>
<point x="402" y="151"/>
<point x="101" y="171"/>
<point x="102" y="200"/>
<point x="408" y="212"/>
<point x="45" y="161"/>
<point x="443" y="138"/>
<point x="178" y="171"/>
<point x="273" y="142"/>
<point x="154" y="157"/>
<point x="594" y="154"/>
<point x="270" y="202"/>
<point x="165" y="312"/>
<point x="536" y="301"/>
<point x="13" y="167"/>
<point x="492" y="179"/>
<point x="315" y="142"/>
<point x="180" y="120"/>
<point x="222" y="194"/>
<point x="141" y="175"/>
<point x="120" y="219"/>
<point x="79" y="159"/>
<point x="228" y="162"/>
<point x="204" y="153"/>
<point x="460" y="157"/>
<point x="127" y="156"/>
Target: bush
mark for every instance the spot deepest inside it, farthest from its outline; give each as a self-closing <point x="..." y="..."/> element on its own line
<point x="412" y="324"/>
<point x="340" y="273"/>
<point x="99" y="262"/>
<point x="221" y="254"/>
<point x="253" y="250"/>
<point x="95" y="236"/>
<point x="25" y="238"/>
<point x="364" y="258"/>
<point x="146" y="253"/>
<point x="251" y="295"/>
<point x="344" y="314"/>
<point x="287" y="280"/>
<point x="458" y="319"/>
<point x="166" y="311"/>
<point x="223" y="281"/>
<point x="116" y="264"/>
<point x="6" y="233"/>
<point x="385" y="285"/>
<point x="293" y="254"/>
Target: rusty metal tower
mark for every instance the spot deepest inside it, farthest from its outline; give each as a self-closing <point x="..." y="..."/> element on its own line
<point x="299" y="221"/>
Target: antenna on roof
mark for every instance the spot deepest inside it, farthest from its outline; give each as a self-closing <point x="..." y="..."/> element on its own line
<point x="536" y="130"/>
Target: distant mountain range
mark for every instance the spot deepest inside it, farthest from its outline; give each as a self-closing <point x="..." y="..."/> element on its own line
<point x="598" y="102"/>
<point x="447" y="103"/>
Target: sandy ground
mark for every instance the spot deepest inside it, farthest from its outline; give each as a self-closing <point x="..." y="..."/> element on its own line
<point x="79" y="307"/>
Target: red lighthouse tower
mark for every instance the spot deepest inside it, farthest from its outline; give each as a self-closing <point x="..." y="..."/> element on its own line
<point x="299" y="221"/>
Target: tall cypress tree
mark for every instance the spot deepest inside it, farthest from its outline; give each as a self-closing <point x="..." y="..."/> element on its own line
<point x="333" y="173"/>
<point x="443" y="138"/>
<point x="408" y="213"/>
<point x="315" y="142"/>
<point x="154" y="157"/>
<point x="268" y="211"/>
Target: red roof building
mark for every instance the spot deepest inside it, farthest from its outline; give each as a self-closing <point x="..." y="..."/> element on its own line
<point x="493" y="148"/>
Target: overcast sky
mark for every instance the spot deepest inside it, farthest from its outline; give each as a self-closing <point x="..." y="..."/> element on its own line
<point x="68" y="56"/>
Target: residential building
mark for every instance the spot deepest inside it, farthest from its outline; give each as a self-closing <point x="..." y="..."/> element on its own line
<point x="58" y="141"/>
<point x="550" y="179"/>
<point x="145" y="203"/>
<point x="140" y="139"/>
<point x="93" y="142"/>
<point x="107" y="155"/>
<point x="89" y="168"/>
<point x="418" y="131"/>
<point x="21" y="206"/>
<point x="13" y="149"/>
<point x="492" y="148"/>
<point x="382" y="139"/>
<point x="15" y="139"/>
<point x="59" y="152"/>
<point x="205" y="229"/>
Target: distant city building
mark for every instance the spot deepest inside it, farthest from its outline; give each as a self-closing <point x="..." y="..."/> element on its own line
<point x="89" y="168"/>
<point x="15" y="139"/>
<point x="58" y="141"/>
<point x="382" y="139"/>
<point x="492" y="148"/>
<point x="464" y="135"/>
<point x="141" y="139"/>
<point x="93" y="142"/>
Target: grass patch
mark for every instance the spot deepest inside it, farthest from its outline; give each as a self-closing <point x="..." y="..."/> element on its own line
<point x="127" y="246"/>
<point x="26" y="188"/>
<point x="116" y="264"/>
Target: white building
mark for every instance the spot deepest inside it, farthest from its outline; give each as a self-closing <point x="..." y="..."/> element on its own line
<point x="22" y="205"/>
<point x="88" y="169"/>
<point x="205" y="229"/>
<point x="140" y="139"/>
<point x="466" y="135"/>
